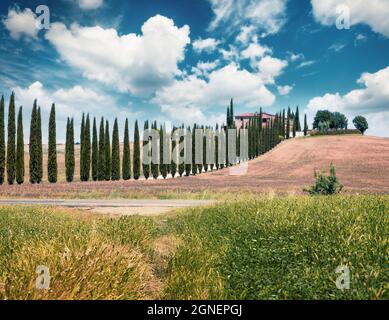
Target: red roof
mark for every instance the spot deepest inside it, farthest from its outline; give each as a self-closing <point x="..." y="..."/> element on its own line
<point x="250" y="115"/>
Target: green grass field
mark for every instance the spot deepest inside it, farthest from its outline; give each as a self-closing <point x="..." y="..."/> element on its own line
<point x="265" y="248"/>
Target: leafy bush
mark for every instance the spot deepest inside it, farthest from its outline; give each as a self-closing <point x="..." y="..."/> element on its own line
<point x="361" y="124"/>
<point x="325" y="185"/>
<point x="333" y="132"/>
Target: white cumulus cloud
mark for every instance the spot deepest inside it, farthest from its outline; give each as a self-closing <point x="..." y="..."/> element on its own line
<point x="207" y="45"/>
<point x="70" y="102"/>
<point x="372" y="101"/>
<point x="90" y="4"/>
<point x="20" y="23"/>
<point x="133" y="63"/>
<point x="197" y="96"/>
<point x="373" y="13"/>
<point x="284" y="90"/>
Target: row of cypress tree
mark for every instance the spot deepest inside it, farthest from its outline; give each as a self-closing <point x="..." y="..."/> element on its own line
<point x="101" y="161"/>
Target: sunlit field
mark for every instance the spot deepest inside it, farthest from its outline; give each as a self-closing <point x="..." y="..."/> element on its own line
<point x="264" y="248"/>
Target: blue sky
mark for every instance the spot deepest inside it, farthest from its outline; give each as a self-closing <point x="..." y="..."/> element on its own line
<point x="181" y="61"/>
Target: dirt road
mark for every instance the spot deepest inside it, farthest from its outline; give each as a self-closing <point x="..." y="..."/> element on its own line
<point x="119" y="207"/>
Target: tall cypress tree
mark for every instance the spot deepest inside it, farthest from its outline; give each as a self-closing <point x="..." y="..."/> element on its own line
<point x="126" y="154"/>
<point x="297" y="119"/>
<point x="33" y="164"/>
<point x="194" y="166"/>
<point x="2" y="142"/>
<point x="39" y="146"/>
<point x="20" y="149"/>
<point x="181" y="165"/>
<point x="217" y="147"/>
<point x="107" y="148"/>
<point x="69" y="151"/>
<point x="188" y="162"/>
<point x="86" y="151"/>
<point x="115" y="164"/>
<point x="146" y="144"/>
<point x="174" y="159"/>
<point x="95" y="152"/>
<point x="52" y="168"/>
<point x="136" y="161"/>
<point x="101" y="162"/>
<point x="288" y="124"/>
<point x="11" y="146"/>
<point x="82" y="165"/>
<point x="154" y="165"/>
<point x="305" y="125"/>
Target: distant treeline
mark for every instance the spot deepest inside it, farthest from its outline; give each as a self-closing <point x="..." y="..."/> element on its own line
<point x="102" y="160"/>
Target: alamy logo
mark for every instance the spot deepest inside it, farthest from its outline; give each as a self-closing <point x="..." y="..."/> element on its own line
<point x="343" y="280"/>
<point x="343" y="20"/>
<point x="43" y="279"/>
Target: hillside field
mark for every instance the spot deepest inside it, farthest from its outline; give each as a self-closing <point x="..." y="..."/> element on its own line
<point x="362" y="165"/>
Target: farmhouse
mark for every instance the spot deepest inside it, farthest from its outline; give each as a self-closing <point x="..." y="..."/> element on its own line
<point x="243" y="119"/>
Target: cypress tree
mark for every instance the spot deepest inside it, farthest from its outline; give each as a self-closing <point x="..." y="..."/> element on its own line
<point x="101" y="161"/>
<point x="205" y="139"/>
<point x="11" y="147"/>
<point x="69" y="151"/>
<point x="181" y="166"/>
<point x="39" y="146"/>
<point x="86" y="151"/>
<point x="188" y="164"/>
<point x="194" y="166"/>
<point x="154" y="166"/>
<point x="174" y="159"/>
<point x="107" y="148"/>
<point x="2" y="142"/>
<point x="20" y="149"/>
<point x="33" y="164"/>
<point x="305" y="125"/>
<point x="283" y="124"/>
<point x="95" y="152"/>
<point x="136" y="161"/>
<point x="162" y="145"/>
<point x="294" y="127"/>
<point x="82" y="165"/>
<point x="288" y="124"/>
<point x="126" y="154"/>
<point x="297" y="118"/>
<point x="217" y="147"/>
<point x="52" y="152"/>
<point x="146" y="144"/>
<point x="115" y="164"/>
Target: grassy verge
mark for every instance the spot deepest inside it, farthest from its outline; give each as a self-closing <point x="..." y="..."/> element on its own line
<point x="279" y="248"/>
<point x="282" y="248"/>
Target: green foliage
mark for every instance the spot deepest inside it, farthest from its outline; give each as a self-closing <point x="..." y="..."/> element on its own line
<point x="101" y="161"/>
<point x="86" y="152"/>
<point x="115" y="165"/>
<point x="107" y="148"/>
<point x="325" y="185"/>
<point x="82" y="138"/>
<point x="136" y="161"/>
<point x="281" y="248"/>
<point x="146" y="145"/>
<point x="95" y="152"/>
<point x="325" y="120"/>
<point x="20" y="149"/>
<point x="155" y="165"/>
<point x="361" y="124"/>
<point x="126" y="154"/>
<point x="288" y="119"/>
<point x="11" y="143"/>
<point x="39" y="146"/>
<point x="69" y="151"/>
<point x="305" y="125"/>
<point x="33" y="145"/>
<point x="52" y="167"/>
<point x="314" y="133"/>
<point x="2" y="141"/>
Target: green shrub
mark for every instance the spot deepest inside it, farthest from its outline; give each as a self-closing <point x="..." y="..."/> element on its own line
<point x="325" y="185"/>
<point x="314" y="133"/>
